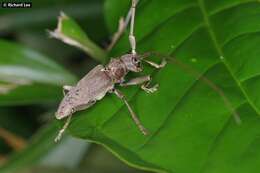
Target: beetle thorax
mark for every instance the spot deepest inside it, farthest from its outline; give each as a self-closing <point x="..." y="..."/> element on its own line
<point x="117" y="70"/>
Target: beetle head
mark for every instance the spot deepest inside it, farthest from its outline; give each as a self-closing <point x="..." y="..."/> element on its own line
<point x="132" y="62"/>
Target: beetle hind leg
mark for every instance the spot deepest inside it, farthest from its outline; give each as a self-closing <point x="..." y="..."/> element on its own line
<point x="61" y="132"/>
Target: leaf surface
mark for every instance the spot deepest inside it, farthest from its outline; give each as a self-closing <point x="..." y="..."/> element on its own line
<point x="192" y="129"/>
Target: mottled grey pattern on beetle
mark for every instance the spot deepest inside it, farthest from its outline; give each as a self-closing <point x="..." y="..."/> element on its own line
<point x="102" y="79"/>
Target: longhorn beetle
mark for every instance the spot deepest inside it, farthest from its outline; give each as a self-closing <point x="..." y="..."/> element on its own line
<point x="102" y="79"/>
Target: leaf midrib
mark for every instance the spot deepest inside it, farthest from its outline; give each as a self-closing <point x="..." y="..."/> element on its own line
<point x="221" y="54"/>
<point x="213" y="37"/>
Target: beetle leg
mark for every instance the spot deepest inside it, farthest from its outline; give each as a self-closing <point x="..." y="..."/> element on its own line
<point x="136" y="81"/>
<point x="132" y="113"/>
<point x="148" y="89"/>
<point x="66" y="88"/>
<point x="153" y="64"/>
<point x="145" y="80"/>
<point x="59" y="136"/>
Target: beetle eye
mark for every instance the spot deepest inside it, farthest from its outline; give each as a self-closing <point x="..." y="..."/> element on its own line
<point x="139" y="64"/>
<point x="135" y="60"/>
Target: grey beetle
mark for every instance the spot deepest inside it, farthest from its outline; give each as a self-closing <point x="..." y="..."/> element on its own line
<point x="102" y="79"/>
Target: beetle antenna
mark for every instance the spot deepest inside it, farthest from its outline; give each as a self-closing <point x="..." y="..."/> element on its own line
<point x="145" y="55"/>
<point x="59" y="136"/>
<point x="131" y="34"/>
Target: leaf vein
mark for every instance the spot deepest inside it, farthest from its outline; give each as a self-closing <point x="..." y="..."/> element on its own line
<point x="224" y="127"/>
<point x="221" y="53"/>
<point x="178" y="102"/>
<point x="217" y="11"/>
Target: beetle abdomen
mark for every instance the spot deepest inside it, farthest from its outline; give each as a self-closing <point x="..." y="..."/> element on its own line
<point x="94" y="85"/>
<point x="90" y="88"/>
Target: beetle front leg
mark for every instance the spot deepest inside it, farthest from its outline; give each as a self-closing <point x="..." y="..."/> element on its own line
<point x="153" y="64"/>
<point x="66" y="89"/>
<point x="145" y="80"/>
<point x="132" y="113"/>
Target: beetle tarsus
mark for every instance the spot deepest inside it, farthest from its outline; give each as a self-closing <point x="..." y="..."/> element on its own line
<point x="150" y="89"/>
<point x="59" y="136"/>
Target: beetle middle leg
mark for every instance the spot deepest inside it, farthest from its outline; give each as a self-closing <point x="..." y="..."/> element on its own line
<point x="145" y="81"/>
<point x="132" y="113"/>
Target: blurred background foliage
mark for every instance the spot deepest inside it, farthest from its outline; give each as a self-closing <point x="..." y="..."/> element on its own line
<point x="194" y="132"/>
<point x="26" y="114"/>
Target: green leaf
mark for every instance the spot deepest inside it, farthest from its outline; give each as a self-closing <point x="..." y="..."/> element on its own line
<point x="191" y="126"/>
<point x="71" y="33"/>
<point x="29" y="77"/>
